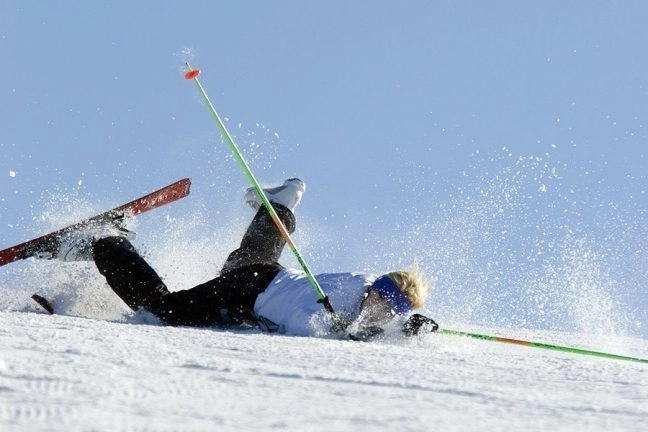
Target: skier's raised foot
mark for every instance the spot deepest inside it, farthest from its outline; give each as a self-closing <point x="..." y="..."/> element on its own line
<point x="289" y="194"/>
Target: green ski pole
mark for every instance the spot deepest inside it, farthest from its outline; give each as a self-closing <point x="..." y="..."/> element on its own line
<point x="541" y="345"/>
<point x="192" y="74"/>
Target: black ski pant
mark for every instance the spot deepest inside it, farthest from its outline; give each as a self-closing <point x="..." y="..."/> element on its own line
<point x="224" y="300"/>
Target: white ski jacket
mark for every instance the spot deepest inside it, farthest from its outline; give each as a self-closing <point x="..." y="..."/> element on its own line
<point x="291" y="302"/>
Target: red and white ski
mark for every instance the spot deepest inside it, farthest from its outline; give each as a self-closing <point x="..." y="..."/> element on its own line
<point x="166" y="195"/>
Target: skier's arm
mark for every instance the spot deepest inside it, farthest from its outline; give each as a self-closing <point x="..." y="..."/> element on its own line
<point x="415" y="325"/>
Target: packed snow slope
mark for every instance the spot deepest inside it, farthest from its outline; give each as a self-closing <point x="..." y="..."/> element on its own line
<point x="80" y="374"/>
<point x="514" y="250"/>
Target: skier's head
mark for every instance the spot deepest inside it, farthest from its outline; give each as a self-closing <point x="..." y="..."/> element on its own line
<point x="412" y="285"/>
<point x="396" y="293"/>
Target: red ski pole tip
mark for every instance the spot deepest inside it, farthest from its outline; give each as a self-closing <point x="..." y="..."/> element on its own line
<point x="192" y="74"/>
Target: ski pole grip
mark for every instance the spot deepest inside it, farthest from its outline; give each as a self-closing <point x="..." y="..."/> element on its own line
<point x="327" y="305"/>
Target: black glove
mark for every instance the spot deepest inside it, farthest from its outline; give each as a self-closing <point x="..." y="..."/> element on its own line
<point x="366" y="333"/>
<point x="418" y="323"/>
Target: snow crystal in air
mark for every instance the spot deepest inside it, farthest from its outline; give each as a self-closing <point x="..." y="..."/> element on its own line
<point x="187" y="54"/>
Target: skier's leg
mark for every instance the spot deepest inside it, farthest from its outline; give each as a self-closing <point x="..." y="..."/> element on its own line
<point x="132" y="279"/>
<point x="225" y="300"/>
<point x="262" y="242"/>
<point x="229" y="298"/>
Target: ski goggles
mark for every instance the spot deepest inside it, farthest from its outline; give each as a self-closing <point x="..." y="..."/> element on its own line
<point x="388" y="290"/>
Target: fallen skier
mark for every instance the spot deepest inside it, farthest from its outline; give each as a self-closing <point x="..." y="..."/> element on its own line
<point x="253" y="286"/>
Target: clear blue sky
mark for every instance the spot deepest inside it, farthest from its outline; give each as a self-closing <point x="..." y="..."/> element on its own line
<point x="486" y="139"/>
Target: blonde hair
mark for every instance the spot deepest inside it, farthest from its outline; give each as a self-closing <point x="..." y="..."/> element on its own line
<point x="412" y="284"/>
